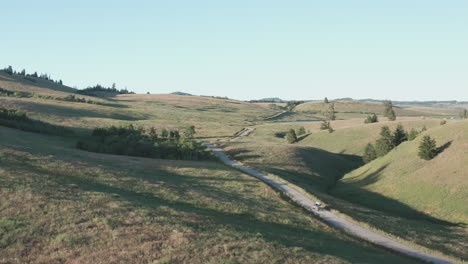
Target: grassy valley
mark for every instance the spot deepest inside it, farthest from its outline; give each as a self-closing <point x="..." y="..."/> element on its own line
<point x="62" y="204"/>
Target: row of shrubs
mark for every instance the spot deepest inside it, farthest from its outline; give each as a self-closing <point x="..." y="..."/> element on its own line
<point x="124" y="140"/>
<point x="68" y="98"/>
<point x="19" y="120"/>
<point x="137" y="141"/>
<point x="389" y="140"/>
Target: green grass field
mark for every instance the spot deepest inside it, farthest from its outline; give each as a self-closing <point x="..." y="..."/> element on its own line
<point x="428" y="196"/>
<point x="320" y="159"/>
<point x="353" y="109"/>
<point x="59" y="204"/>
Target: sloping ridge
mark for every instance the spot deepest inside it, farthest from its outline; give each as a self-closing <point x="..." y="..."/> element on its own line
<point x="327" y="216"/>
<point x="438" y="187"/>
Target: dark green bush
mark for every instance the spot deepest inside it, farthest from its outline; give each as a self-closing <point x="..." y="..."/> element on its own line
<point x="137" y="141"/>
<point x="19" y="120"/>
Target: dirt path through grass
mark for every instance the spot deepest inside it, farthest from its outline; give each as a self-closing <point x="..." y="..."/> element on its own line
<point x="327" y="216"/>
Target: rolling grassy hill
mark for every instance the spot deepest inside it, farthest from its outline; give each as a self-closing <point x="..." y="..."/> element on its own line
<point x="18" y="83"/>
<point x="90" y="207"/>
<point x="430" y="196"/>
<point x="319" y="159"/>
<point x="212" y="116"/>
<point x="349" y="109"/>
<point x="59" y="204"/>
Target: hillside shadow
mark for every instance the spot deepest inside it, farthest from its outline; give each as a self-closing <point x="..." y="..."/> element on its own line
<point x="245" y="223"/>
<point x="443" y="147"/>
<point x="37" y="82"/>
<point x="241" y="154"/>
<point x="203" y="217"/>
<point x="302" y="137"/>
<point x="354" y="192"/>
<point x="66" y="112"/>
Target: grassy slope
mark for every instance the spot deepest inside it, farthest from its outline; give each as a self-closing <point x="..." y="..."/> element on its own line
<point x="438" y="187"/>
<point x="17" y="83"/>
<point x="212" y="116"/>
<point x="318" y="159"/>
<point x="428" y="196"/>
<point x="59" y="204"/>
<point x="347" y="109"/>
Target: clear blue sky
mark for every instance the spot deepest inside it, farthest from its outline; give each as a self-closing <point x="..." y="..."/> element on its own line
<point x="399" y="49"/>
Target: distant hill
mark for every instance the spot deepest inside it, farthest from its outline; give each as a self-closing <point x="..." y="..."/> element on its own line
<point x="269" y="100"/>
<point x="181" y="93"/>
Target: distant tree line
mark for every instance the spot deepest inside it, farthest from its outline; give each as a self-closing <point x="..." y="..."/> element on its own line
<point x="99" y="90"/>
<point x="137" y="141"/>
<point x="9" y="70"/>
<point x="19" y="120"/>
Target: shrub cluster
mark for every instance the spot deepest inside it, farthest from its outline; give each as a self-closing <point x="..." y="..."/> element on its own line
<point x="371" y="119"/>
<point x="388" y="140"/>
<point x="137" y="141"/>
<point x="68" y="98"/>
<point x="17" y="119"/>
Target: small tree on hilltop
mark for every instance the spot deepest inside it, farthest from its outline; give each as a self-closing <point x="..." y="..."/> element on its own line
<point x="391" y="115"/>
<point x="369" y="153"/>
<point x="325" y="100"/>
<point x="427" y="148"/>
<point x="9" y="70"/>
<point x="388" y="110"/>
<point x="399" y="136"/>
<point x="291" y="136"/>
<point x="384" y="144"/>
<point x="330" y="112"/>
<point x="371" y="119"/>
<point x="301" y="131"/>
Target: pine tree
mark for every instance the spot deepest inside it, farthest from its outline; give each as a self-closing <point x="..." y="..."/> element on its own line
<point x="369" y="153"/>
<point x="388" y="111"/>
<point x="330" y="112"/>
<point x="291" y="136"/>
<point x="324" y="125"/>
<point x="189" y="131"/>
<point x="9" y="70"/>
<point x="325" y="100"/>
<point x="399" y="136"/>
<point x="427" y="148"/>
<point x="164" y="133"/>
<point x="391" y="115"/>
<point x="301" y="131"/>
<point x="384" y="144"/>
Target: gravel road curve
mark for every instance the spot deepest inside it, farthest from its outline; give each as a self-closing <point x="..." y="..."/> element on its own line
<point x="327" y="216"/>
